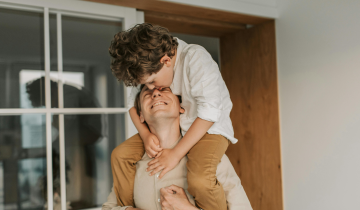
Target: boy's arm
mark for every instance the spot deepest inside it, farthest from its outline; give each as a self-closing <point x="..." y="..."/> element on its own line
<point x="204" y="79"/>
<point x="196" y="131"/>
<point x="169" y="158"/>
<point x="151" y="142"/>
<point x="141" y="127"/>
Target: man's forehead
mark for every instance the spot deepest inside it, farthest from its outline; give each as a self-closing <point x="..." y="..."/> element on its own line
<point x="144" y="88"/>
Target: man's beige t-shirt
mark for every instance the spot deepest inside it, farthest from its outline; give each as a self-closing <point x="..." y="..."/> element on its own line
<point x="147" y="188"/>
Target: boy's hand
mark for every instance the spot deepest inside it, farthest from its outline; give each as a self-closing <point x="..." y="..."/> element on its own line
<point x="152" y="145"/>
<point x="165" y="160"/>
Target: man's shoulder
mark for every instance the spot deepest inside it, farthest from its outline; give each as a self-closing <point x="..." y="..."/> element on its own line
<point x="225" y="165"/>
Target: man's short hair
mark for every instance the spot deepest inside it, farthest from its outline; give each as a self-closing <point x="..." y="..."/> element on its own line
<point x="137" y="103"/>
<point x="137" y="52"/>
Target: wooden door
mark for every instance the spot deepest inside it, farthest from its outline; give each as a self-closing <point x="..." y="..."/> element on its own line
<point x="248" y="66"/>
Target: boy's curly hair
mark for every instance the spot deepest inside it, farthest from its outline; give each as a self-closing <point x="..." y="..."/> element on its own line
<point x="137" y="52"/>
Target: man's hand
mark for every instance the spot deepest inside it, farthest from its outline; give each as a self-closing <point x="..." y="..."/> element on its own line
<point x="152" y="145"/>
<point x="165" y="160"/>
<point x="174" y="198"/>
<point x="132" y="208"/>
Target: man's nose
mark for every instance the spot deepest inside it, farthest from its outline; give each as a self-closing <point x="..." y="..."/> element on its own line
<point x="156" y="93"/>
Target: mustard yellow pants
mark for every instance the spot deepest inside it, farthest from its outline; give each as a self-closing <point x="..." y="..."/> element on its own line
<point x="202" y="163"/>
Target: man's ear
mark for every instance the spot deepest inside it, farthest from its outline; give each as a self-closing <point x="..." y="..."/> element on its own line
<point x="142" y="120"/>
<point x="166" y="60"/>
<point x="182" y="110"/>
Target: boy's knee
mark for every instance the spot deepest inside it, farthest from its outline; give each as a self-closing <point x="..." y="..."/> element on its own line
<point x="127" y="150"/>
<point x="119" y="153"/>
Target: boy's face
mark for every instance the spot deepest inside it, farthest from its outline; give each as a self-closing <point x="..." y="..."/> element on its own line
<point x="164" y="77"/>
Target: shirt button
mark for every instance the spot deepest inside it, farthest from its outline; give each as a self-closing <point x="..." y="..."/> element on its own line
<point x="159" y="200"/>
<point x="157" y="176"/>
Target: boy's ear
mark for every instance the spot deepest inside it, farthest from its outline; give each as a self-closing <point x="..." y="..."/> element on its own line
<point x="142" y="120"/>
<point x="182" y="110"/>
<point x="166" y="60"/>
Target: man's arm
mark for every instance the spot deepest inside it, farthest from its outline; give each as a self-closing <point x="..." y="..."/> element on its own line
<point x="234" y="191"/>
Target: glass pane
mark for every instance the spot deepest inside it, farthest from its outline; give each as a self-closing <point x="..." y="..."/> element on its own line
<point x="23" y="162"/>
<point x="89" y="141"/>
<point x="87" y="75"/>
<point x="21" y="58"/>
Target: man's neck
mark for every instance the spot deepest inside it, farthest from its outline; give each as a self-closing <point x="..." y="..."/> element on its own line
<point x="167" y="131"/>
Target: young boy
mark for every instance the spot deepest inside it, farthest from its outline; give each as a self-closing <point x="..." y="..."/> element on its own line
<point x="149" y="55"/>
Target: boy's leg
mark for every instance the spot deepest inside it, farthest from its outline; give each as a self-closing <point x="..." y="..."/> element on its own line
<point x="203" y="160"/>
<point x="123" y="164"/>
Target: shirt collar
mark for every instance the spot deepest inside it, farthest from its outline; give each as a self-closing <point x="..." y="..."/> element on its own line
<point x="175" y="143"/>
<point x="179" y="49"/>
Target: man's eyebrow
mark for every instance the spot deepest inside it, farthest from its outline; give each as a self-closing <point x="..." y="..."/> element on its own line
<point x="145" y="89"/>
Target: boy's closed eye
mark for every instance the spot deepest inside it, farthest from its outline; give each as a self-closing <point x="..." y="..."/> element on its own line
<point x="164" y="89"/>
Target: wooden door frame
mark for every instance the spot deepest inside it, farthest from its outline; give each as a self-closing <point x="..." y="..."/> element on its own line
<point x="249" y="69"/>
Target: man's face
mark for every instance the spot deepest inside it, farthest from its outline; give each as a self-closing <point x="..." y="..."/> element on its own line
<point x="158" y="104"/>
<point x="162" y="78"/>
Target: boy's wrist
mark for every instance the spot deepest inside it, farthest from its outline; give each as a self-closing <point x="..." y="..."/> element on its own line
<point x="144" y="135"/>
<point x="178" y="154"/>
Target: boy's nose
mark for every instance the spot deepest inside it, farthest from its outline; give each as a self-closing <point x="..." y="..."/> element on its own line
<point x="150" y="86"/>
<point x="156" y="93"/>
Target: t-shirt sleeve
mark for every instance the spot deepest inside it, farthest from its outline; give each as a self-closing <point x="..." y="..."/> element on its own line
<point x="204" y="75"/>
<point x="131" y="98"/>
<point x="235" y="194"/>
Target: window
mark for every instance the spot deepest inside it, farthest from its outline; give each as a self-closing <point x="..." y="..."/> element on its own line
<point x="62" y="111"/>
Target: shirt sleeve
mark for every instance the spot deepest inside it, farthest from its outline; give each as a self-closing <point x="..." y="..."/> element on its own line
<point x="204" y="74"/>
<point x="131" y="98"/>
<point x="234" y="191"/>
<point x="111" y="203"/>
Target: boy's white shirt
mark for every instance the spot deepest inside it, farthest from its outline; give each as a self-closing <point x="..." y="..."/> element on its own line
<point x="198" y="80"/>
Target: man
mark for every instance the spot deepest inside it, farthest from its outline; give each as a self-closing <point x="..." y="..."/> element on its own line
<point x="161" y="110"/>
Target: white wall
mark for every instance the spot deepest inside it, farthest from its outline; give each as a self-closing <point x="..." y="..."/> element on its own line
<point x="318" y="45"/>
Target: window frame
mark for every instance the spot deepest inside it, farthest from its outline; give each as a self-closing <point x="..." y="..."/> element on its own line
<point x="127" y="16"/>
